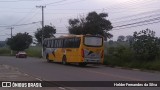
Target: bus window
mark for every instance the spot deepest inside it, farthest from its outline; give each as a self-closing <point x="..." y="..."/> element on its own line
<point x="77" y="42"/>
<point x="60" y="43"/>
<point x="66" y="43"/>
<point x="44" y="43"/>
<point x="55" y="43"/>
<point x="70" y="43"/>
<point x="93" y="41"/>
<point x="52" y="44"/>
<point x="47" y="43"/>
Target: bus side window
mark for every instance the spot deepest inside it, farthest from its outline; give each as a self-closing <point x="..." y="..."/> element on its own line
<point x="77" y="42"/>
<point x="52" y="44"/>
<point x="66" y="43"/>
<point x="61" y="43"/>
<point x="62" y="46"/>
<point x="71" y="43"/>
<point x="44" y="43"/>
<point x="55" y="45"/>
<point x="47" y="43"/>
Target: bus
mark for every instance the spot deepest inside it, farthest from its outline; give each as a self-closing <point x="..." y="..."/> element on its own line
<point x="80" y="49"/>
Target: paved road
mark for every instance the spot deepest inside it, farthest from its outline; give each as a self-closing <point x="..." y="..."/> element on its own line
<point x="58" y="72"/>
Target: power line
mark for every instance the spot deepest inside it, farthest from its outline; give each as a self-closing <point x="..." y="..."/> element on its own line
<point x="149" y="20"/>
<point x="23" y="17"/>
<point x="130" y="3"/>
<point x="55" y="2"/>
<point x="21" y="24"/>
<point x="3" y="30"/>
<point x="17" y="0"/>
<point x="139" y="18"/>
<point x="32" y="16"/>
<point x="143" y="13"/>
<point x="27" y="23"/>
<point x="139" y="25"/>
<point x="5" y="35"/>
<point x="69" y="2"/>
<point x="9" y="1"/>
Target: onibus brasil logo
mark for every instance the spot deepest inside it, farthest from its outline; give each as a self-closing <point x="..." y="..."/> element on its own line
<point x="21" y="84"/>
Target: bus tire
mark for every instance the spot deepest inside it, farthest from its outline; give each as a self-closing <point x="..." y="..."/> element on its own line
<point x="49" y="61"/>
<point x="64" y="60"/>
<point x="82" y="64"/>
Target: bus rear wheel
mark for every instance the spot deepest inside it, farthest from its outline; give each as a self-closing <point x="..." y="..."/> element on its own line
<point x="82" y="64"/>
<point x="64" y="60"/>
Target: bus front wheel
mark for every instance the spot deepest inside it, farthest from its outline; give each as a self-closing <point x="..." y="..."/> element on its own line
<point x="47" y="57"/>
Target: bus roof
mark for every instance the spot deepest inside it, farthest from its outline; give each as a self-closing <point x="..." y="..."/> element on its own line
<point x="69" y="36"/>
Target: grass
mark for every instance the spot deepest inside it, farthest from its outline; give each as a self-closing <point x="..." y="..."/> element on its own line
<point x="116" y="61"/>
<point x="123" y="56"/>
<point x="32" y="51"/>
<point x="5" y="51"/>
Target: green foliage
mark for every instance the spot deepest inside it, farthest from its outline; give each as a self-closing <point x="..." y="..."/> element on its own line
<point x="121" y="38"/>
<point x="5" y="51"/>
<point x="20" y="42"/>
<point x="48" y="31"/>
<point x="145" y="45"/>
<point x="142" y="53"/>
<point x="129" y="39"/>
<point x="2" y="43"/>
<point x="120" y="56"/>
<point x="124" y="57"/>
<point x="94" y="24"/>
<point x="34" y="51"/>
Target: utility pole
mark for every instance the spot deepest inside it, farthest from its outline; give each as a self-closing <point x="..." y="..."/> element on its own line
<point x="11" y="31"/>
<point x="42" y="7"/>
<point x="11" y="37"/>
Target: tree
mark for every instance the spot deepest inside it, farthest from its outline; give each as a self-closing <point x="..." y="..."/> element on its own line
<point x="121" y="38"/>
<point x="110" y="42"/>
<point x="129" y="39"/>
<point x="146" y="45"/>
<point x="2" y="43"/>
<point x="94" y="24"/>
<point x="48" y="31"/>
<point x="20" y="42"/>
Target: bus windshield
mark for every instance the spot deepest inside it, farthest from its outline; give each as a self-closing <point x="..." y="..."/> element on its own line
<point x="93" y="41"/>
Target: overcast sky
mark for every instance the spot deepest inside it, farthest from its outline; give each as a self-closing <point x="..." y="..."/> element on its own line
<point x="126" y="16"/>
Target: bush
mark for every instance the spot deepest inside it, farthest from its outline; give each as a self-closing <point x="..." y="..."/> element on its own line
<point x="5" y="51"/>
<point x="146" y="45"/>
<point x="118" y="56"/>
<point x="124" y="57"/>
<point x="31" y="51"/>
<point x="34" y="51"/>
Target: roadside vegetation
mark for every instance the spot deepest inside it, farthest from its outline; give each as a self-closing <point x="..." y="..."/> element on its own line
<point x="4" y="51"/>
<point x="32" y="51"/>
<point x="142" y="51"/>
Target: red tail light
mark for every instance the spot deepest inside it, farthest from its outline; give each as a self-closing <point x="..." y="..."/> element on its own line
<point x="102" y="53"/>
<point x="82" y="53"/>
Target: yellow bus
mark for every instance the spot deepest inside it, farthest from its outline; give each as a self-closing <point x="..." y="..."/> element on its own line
<point x="81" y="49"/>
